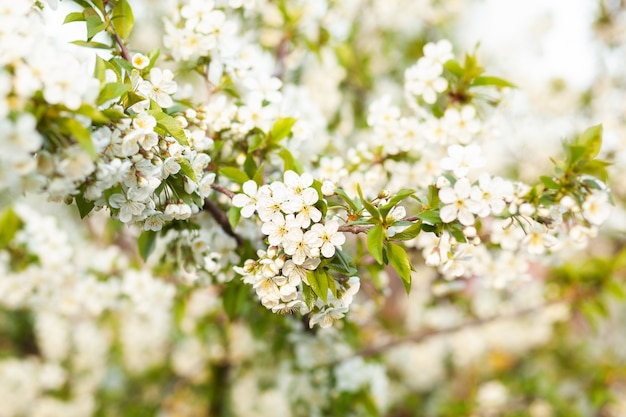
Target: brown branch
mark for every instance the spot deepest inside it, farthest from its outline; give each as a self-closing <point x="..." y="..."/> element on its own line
<point x="282" y="50"/>
<point x="123" y="49"/>
<point x="221" y="218"/>
<point x="355" y="229"/>
<point x="223" y="190"/>
<point x="422" y="336"/>
<point x="365" y="228"/>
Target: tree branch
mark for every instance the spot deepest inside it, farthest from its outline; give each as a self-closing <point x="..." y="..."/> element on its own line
<point x="123" y="49"/>
<point x="424" y="335"/>
<point x="355" y="229"/>
<point x="365" y="228"/>
<point x="222" y="190"/>
<point x="221" y="218"/>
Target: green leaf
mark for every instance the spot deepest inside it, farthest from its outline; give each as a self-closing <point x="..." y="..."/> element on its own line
<point x="124" y="64"/>
<point x="595" y="168"/>
<point x="113" y="114"/>
<point x="10" y="223"/>
<point x="343" y="263"/>
<point x="94" y="114"/>
<point x="111" y="91"/>
<point x="318" y="280"/>
<point x="410" y="232"/>
<point x="234" y="174"/>
<point x="95" y="25"/>
<point x="492" y="81"/>
<point x="123" y="19"/>
<point x="147" y="243"/>
<point x="341" y="193"/>
<point x="309" y="296"/>
<point x="258" y="175"/>
<point x="256" y="141"/>
<point x="74" y="17"/>
<point x="234" y="297"/>
<point x="186" y="169"/>
<point x="375" y="238"/>
<point x="91" y="44"/>
<point x="249" y="166"/>
<point x="368" y="206"/>
<point x="84" y="206"/>
<point x="290" y="162"/>
<point x="234" y="214"/>
<point x="399" y="260"/>
<point x="549" y="183"/>
<point x="281" y="129"/>
<point x="401" y="195"/>
<point x="170" y="125"/>
<point x="591" y="139"/>
<point x="433" y="196"/>
<point x="100" y="69"/>
<point x="454" y="67"/>
<point x="575" y="153"/>
<point x="430" y="216"/>
<point x="153" y="56"/>
<point x="80" y="133"/>
<point x="99" y="4"/>
<point x="133" y="98"/>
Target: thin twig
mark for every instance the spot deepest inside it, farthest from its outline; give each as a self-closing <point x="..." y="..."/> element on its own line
<point x="123" y="49"/>
<point x="223" y="190"/>
<point x="355" y="229"/>
<point x="421" y="336"/>
<point x="221" y="218"/>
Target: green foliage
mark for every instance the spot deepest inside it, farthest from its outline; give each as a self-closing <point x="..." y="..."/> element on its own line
<point x="375" y="240"/>
<point x="146" y="243"/>
<point x="10" y="223"/>
<point x="122" y="19"/>
<point x="400" y="261"/>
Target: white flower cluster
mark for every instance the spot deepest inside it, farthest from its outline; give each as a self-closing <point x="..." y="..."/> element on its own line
<point x="424" y="78"/>
<point x="143" y="173"/>
<point x="77" y="296"/>
<point x="197" y="29"/>
<point x="36" y="69"/>
<point x="298" y="240"/>
<point x="445" y="151"/>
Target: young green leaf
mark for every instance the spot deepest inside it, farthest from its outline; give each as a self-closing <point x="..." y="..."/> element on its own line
<point x="591" y="139"/>
<point x="290" y="162"/>
<point x="95" y="25"/>
<point x="549" y="183"/>
<point x="123" y="19"/>
<point x="430" y="216"/>
<point x="343" y="263"/>
<point x="187" y="169"/>
<point x="369" y="206"/>
<point x="234" y="174"/>
<point x="147" y="243"/>
<point x="375" y="237"/>
<point x="281" y="129"/>
<point x="74" y="17"/>
<point x="401" y="195"/>
<point x="234" y="298"/>
<point x="399" y="260"/>
<point x="492" y="81"/>
<point x="111" y="91"/>
<point x="10" y="223"/>
<point x="80" y="133"/>
<point x="84" y="206"/>
<point x="318" y="280"/>
<point x="234" y="214"/>
<point x="249" y="166"/>
<point x="170" y="125"/>
<point x="410" y="232"/>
